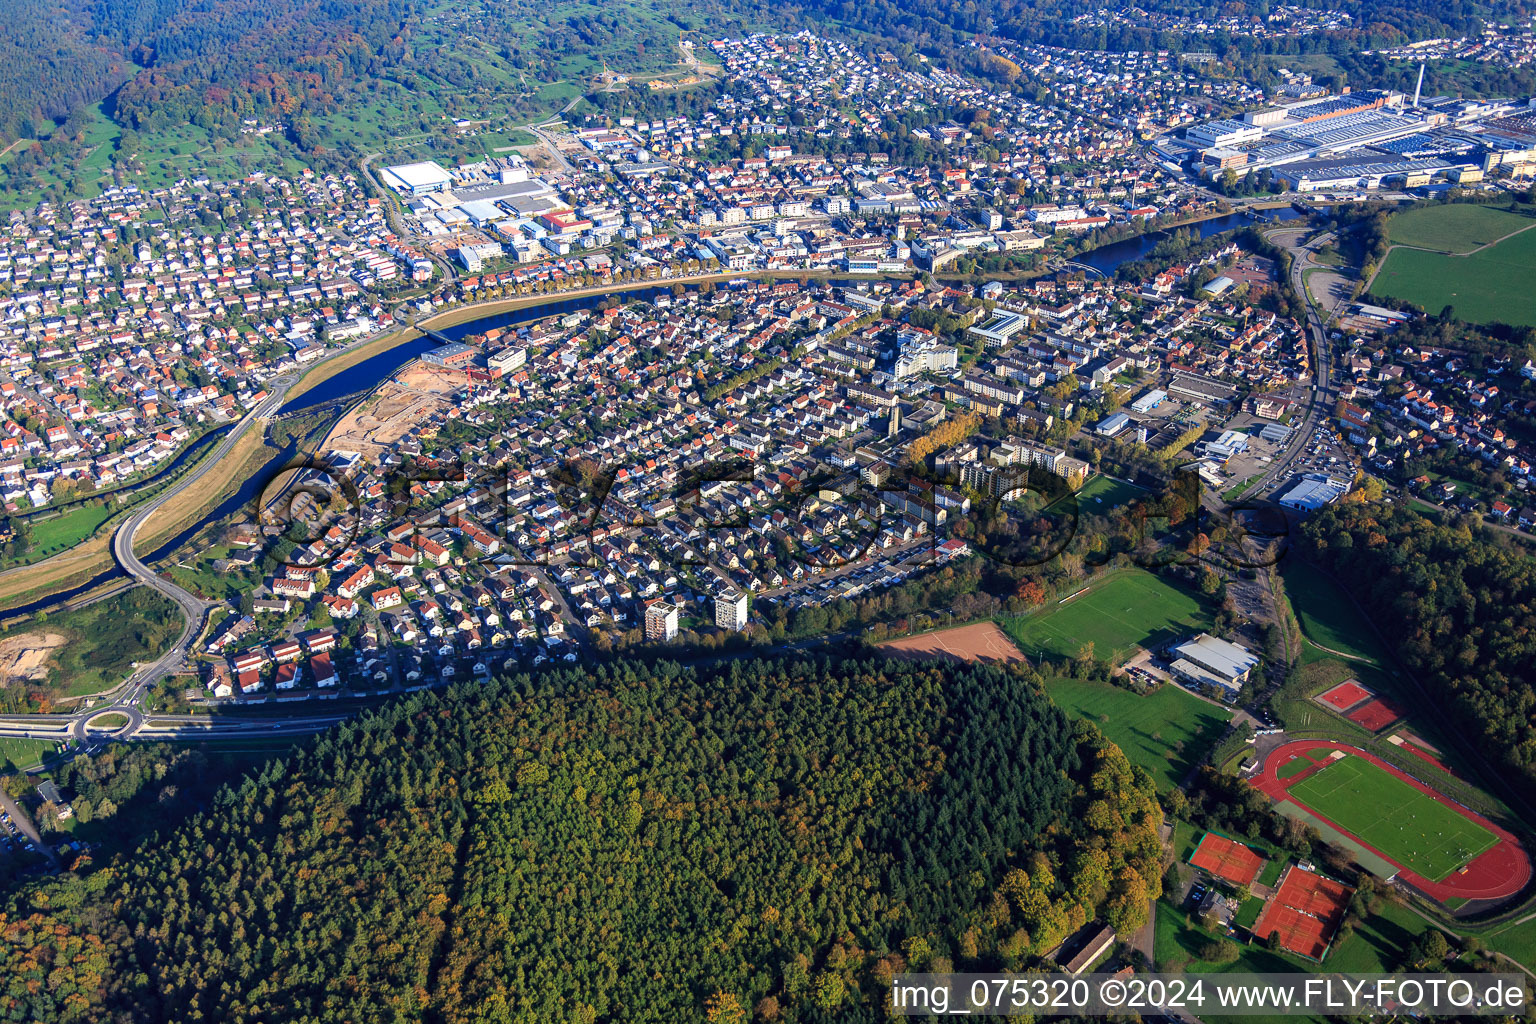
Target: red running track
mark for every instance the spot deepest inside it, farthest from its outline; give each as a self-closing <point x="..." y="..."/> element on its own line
<point x="1496" y="873"/>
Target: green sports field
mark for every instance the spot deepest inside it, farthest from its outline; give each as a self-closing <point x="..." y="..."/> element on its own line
<point x="1103" y="493"/>
<point x="1167" y="732"/>
<point x="1454" y="227"/>
<point x="1491" y="285"/>
<point x="1407" y="825"/>
<point x="1134" y="609"/>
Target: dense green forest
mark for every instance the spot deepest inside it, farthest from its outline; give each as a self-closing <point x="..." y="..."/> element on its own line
<point x="634" y="843"/>
<point x="245" y="58"/>
<point x="50" y="66"/>
<point x="1464" y="609"/>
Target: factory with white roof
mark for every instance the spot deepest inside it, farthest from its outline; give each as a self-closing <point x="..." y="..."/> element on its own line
<point x="417" y="179"/>
<point x="1365" y="140"/>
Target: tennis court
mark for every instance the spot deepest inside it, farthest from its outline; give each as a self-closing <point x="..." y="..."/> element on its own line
<point x="1306" y="910"/>
<point x="1386" y="812"/>
<point x="1344" y="696"/>
<point x="1227" y="858"/>
<point x="1375" y="715"/>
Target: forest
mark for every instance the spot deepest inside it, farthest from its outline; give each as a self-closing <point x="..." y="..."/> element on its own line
<point x="768" y="837"/>
<point x="51" y="67"/>
<point x="1464" y="613"/>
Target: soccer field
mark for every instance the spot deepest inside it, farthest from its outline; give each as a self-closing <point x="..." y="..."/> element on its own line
<point x="1388" y="814"/>
<point x="1130" y="610"/>
<point x="1103" y="493"/>
<point x="1166" y="732"/>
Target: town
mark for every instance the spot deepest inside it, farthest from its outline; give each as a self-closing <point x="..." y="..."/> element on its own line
<point x="760" y="508"/>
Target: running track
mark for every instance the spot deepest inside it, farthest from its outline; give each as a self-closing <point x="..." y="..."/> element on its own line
<point x="1496" y="873"/>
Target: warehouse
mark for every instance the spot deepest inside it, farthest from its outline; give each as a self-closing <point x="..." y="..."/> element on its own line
<point x="1112" y="425"/>
<point x="1312" y="492"/>
<point x="417" y="179"/>
<point x="1201" y="389"/>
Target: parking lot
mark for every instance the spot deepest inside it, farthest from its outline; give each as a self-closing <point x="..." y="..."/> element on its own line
<point x="13" y="840"/>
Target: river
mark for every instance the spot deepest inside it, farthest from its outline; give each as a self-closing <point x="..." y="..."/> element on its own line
<point x="356" y="379"/>
<point x="1107" y="258"/>
<point x="371" y="372"/>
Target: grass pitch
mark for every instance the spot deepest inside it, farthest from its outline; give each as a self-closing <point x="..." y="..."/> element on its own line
<point x="1166" y="732"/>
<point x="1136" y="609"/>
<point x="1456" y="227"/>
<point x="1103" y="493"/>
<point x="1491" y="285"/>
<point x="1387" y="813"/>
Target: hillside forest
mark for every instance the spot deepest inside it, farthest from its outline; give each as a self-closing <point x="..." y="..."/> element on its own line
<point x="631" y="843"/>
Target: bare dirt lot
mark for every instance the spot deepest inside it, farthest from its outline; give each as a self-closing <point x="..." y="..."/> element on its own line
<point x="24" y="657"/>
<point x="413" y="395"/>
<point x="980" y="641"/>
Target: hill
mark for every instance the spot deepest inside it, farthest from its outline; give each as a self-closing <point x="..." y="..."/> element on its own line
<point x="782" y="834"/>
<point x="1461" y="609"/>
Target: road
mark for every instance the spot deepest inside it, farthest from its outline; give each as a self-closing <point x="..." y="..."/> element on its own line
<point x="1324" y="390"/>
<point x="566" y="167"/>
<point x="391" y="214"/>
<point x="193" y="608"/>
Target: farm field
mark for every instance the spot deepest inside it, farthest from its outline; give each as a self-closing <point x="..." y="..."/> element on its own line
<point x="1123" y="612"/>
<point x="1453" y="227"/>
<point x="1402" y="822"/>
<point x="1492" y="285"/>
<point x="1166" y="732"/>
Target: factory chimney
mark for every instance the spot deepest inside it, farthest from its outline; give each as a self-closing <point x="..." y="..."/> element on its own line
<point x="1418" y="88"/>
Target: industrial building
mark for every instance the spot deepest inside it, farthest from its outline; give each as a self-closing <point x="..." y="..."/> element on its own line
<point x="1230" y="443"/>
<point x="1312" y="492"/>
<point x="1201" y="389"/>
<point x="1276" y="433"/>
<point x="1363" y="140"/>
<point x="1149" y="401"/>
<point x="1111" y="425"/>
<point x="417" y="179"/>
